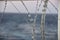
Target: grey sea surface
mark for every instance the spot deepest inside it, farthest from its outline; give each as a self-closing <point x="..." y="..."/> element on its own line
<point x="15" y="27"/>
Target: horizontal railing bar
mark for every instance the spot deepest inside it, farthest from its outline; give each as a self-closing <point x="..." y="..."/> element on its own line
<point x="19" y="0"/>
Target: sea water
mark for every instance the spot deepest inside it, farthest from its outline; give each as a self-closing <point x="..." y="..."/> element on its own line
<point x="18" y="27"/>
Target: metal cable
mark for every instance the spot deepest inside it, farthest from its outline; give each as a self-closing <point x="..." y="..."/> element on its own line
<point x="33" y="31"/>
<point x="26" y="10"/>
<point x="15" y="6"/>
<point x="53" y="6"/>
<point x="48" y="9"/>
<point x="24" y="5"/>
<point x="1" y="19"/>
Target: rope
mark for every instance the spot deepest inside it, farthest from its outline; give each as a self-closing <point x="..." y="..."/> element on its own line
<point x="43" y="20"/>
<point x="47" y="7"/>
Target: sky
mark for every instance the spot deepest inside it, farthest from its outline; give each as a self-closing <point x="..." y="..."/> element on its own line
<point x="31" y="6"/>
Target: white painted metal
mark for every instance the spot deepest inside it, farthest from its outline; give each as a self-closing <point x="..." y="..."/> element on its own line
<point x="59" y="21"/>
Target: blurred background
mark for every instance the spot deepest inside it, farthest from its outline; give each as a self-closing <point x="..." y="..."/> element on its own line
<point x="14" y="20"/>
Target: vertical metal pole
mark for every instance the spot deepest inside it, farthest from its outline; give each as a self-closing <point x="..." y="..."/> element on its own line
<point x="43" y="20"/>
<point x="59" y="20"/>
